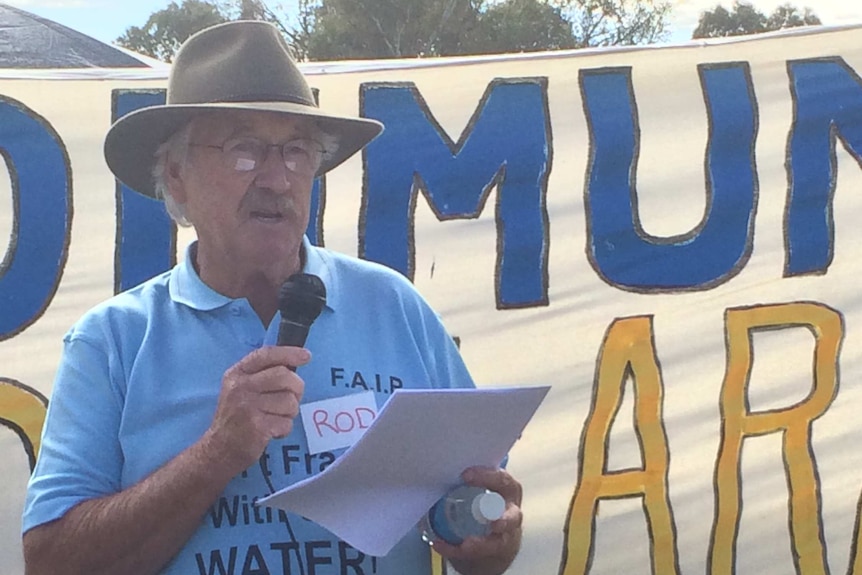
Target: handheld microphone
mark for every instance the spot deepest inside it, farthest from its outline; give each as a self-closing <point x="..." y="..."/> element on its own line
<point x="300" y="301"/>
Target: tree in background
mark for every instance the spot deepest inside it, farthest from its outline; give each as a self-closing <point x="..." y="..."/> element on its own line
<point x="407" y="28"/>
<point x="618" y="22"/>
<point x="166" y="29"/>
<point x="391" y="28"/>
<point x="296" y="35"/>
<point x="745" y="19"/>
<point x="521" y="26"/>
<point x="348" y="29"/>
<point x="787" y="16"/>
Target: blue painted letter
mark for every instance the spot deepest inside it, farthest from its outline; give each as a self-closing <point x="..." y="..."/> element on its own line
<point x="827" y="99"/>
<point x="42" y="216"/>
<point x="619" y="249"/>
<point x="507" y="144"/>
<point x="146" y="237"/>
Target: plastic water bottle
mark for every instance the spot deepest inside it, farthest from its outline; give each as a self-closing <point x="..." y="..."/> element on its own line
<point x="464" y="511"/>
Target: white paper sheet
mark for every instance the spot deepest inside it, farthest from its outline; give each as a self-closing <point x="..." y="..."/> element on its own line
<point x="421" y="441"/>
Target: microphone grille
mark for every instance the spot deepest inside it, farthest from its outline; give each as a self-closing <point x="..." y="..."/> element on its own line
<point x="302" y="298"/>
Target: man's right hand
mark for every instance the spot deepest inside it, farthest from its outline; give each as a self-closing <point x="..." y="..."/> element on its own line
<point x="259" y="400"/>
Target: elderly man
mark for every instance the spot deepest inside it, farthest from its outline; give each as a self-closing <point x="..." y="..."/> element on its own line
<point x="172" y="412"/>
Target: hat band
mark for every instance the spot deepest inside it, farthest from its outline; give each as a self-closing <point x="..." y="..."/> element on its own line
<point x="249" y="98"/>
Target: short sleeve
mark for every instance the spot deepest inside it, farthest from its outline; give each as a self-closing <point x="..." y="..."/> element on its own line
<point x="80" y="457"/>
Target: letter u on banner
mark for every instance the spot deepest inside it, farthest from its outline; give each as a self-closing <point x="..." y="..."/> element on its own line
<point x="619" y="249"/>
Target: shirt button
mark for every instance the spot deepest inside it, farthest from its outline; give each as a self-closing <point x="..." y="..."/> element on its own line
<point x="235" y="311"/>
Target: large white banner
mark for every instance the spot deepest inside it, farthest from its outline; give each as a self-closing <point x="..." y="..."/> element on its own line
<point x="669" y="237"/>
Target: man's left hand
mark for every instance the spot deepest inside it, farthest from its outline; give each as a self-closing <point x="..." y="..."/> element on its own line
<point x="492" y="554"/>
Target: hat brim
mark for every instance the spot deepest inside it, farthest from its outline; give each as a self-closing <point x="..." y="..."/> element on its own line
<point x="132" y="141"/>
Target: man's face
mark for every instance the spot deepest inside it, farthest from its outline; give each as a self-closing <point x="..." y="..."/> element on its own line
<point x="249" y="218"/>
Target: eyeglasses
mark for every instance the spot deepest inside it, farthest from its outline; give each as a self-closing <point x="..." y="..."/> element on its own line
<point x="301" y="156"/>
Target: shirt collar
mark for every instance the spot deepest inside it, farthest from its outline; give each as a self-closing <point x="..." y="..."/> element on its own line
<point x="187" y="288"/>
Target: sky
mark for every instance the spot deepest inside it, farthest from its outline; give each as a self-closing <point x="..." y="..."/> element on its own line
<point x="105" y="20"/>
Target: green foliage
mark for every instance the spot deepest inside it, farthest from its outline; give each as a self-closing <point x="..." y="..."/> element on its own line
<point x="745" y="19"/>
<point x="408" y="28"/>
<point x="350" y="29"/>
<point x="166" y="29"/>
<point x="520" y="26"/>
<point x="390" y="28"/>
<point x="618" y="22"/>
<point x="787" y="16"/>
<point x="252" y="10"/>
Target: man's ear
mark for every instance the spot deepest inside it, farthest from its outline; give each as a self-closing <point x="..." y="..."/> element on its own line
<point x="175" y="182"/>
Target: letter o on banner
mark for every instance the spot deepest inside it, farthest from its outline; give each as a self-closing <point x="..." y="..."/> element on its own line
<point x="41" y="180"/>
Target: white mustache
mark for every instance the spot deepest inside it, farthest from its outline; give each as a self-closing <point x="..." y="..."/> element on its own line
<point x="264" y="200"/>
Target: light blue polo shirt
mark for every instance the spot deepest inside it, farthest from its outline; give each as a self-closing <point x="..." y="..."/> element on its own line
<point x="139" y="380"/>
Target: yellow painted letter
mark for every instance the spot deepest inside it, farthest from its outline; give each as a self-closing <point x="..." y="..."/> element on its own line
<point x="627" y="350"/>
<point x="793" y="422"/>
<point x="23" y="411"/>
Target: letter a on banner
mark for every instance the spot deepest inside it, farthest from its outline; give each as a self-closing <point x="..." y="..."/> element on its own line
<point x="628" y="350"/>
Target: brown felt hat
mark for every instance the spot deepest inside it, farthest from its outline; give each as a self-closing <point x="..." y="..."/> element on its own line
<point x="242" y="65"/>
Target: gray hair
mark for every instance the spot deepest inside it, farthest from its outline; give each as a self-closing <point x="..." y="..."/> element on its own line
<point x="176" y="149"/>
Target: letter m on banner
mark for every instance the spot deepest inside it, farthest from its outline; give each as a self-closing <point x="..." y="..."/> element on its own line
<point x="507" y="145"/>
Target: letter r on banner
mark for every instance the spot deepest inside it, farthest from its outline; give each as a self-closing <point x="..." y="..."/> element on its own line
<point x="793" y="422"/>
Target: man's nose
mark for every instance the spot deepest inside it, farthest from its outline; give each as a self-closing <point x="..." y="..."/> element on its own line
<point x="273" y="173"/>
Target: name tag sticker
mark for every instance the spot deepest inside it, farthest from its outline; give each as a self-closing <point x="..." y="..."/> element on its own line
<point x="337" y="422"/>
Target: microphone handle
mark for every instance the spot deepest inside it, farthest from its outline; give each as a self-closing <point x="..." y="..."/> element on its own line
<point x="292" y="333"/>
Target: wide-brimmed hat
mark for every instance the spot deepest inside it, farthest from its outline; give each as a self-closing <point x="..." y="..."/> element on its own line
<point x="242" y="65"/>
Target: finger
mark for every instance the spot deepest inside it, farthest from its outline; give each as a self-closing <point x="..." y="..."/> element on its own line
<point x="278" y="379"/>
<point x="473" y="548"/>
<point x="278" y="427"/>
<point x="495" y="479"/>
<point x="443" y="548"/>
<point x="280" y="404"/>
<point x="512" y="520"/>
<point x="272" y="356"/>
